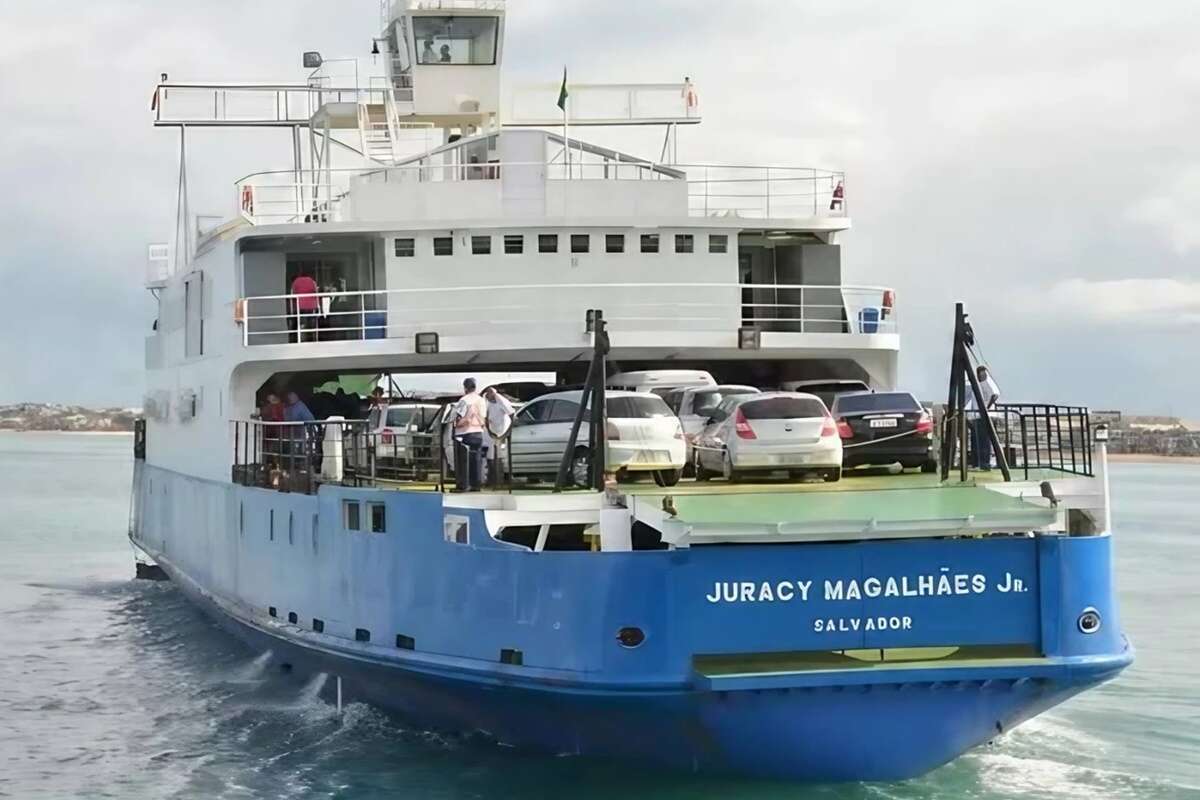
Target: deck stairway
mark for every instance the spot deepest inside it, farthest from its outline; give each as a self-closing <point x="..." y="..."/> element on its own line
<point x="378" y="141"/>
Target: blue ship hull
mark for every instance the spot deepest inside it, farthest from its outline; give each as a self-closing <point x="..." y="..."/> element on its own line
<point x="579" y="692"/>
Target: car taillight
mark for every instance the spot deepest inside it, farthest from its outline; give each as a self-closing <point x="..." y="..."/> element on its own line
<point x="829" y="428"/>
<point x="611" y="433"/>
<point x="386" y="437"/>
<point x="925" y="424"/>
<point x="844" y="429"/>
<point x="744" y="431"/>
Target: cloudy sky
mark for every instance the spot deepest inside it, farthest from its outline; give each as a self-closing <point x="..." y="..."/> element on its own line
<point x="1036" y="160"/>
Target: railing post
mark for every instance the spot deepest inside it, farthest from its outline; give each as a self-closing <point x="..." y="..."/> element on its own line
<point x="768" y="192"/>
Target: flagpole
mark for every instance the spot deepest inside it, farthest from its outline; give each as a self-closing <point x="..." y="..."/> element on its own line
<point x="566" y="124"/>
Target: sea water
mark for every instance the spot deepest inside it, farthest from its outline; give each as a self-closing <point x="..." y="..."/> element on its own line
<point x="111" y="687"/>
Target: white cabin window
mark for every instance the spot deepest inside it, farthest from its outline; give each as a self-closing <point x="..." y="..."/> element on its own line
<point x="514" y="244"/>
<point x="406" y="248"/>
<point x="443" y="245"/>
<point x="351" y="511"/>
<point x="456" y="40"/>
<point x="377" y="515"/>
<point x="581" y="242"/>
<point x="456" y="530"/>
<point x="718" y="243"/>
<point x="614" y="243"/>
<point x="548" y="243"/>
<point x="481" y="245"/>
<point x="685" y="243"/>
<point x="649" y="242"/>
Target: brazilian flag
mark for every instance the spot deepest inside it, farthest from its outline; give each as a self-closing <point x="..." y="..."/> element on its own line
<point x="562" y="93"/>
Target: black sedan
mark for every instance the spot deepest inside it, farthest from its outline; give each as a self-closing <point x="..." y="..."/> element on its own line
<point x="883" y="428"/>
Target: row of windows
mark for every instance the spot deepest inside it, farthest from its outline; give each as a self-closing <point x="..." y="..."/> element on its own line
<point x="514" y="244"/>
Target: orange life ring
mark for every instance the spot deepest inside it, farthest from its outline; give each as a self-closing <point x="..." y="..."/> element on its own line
<point x="248" y="199"/>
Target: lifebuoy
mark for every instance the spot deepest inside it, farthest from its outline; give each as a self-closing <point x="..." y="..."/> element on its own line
<point x="889" y="302"/>
<point x="248" y="199"/>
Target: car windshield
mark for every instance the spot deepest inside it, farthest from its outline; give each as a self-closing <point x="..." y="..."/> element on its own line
<point x="878" y="402"/>
<point x="783" y="408"/>
<point x="399" y="417"/>
<point x="645" y="407"/>
<point x="707" y="401"/>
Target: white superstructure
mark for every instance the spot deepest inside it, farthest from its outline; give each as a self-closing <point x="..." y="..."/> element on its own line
<point x="444" y="238"/>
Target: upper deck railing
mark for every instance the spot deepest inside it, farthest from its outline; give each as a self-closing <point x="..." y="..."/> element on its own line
<point x="500" y="313"/>
<point x="750" y="192"/>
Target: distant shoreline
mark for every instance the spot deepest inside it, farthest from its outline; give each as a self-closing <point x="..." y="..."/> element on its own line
<point x="72" y="433"/>
<point x="1151" y="458"/>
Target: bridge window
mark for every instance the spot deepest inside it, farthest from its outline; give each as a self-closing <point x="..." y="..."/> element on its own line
<point x="580" y="242"/>
<point x="649" y="242"/>
<point x="456" y="40"/>
<point x="685" y="243"/>
<point x="406" y="248"/>
<point x="614" y="243"/>
<point x="514" y="244"/>
<point x="718" y="243"/>
<point x="443" y="246"/>
<point x="481" y="245"/>
<point x="548" y="243"/>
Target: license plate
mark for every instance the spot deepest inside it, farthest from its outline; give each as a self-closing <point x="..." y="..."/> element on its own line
<point x="883" y="423"/>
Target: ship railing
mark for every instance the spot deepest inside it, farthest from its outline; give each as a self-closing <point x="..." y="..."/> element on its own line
<point x="712" y="191"/>
<point x="253" y="104"/>
<point x="496" y="310"/>
<point x="1041" y="436"/>
<point x="299" y="457"/>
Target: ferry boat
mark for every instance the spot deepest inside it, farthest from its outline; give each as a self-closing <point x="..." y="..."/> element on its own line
<point x="868" y="628"/>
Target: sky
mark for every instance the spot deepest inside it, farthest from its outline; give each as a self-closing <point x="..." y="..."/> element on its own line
<point x="1037" y="161"/>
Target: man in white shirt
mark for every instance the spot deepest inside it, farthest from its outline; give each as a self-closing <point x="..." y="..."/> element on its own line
<point x="981" y="443"/>
<point x="499" y="420"/>
<point x="470" y="415"/>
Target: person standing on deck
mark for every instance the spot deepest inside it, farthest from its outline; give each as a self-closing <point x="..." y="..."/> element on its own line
<point x="470" y="415"/>
<point x="272" y="412"/>
<point x="499" y="420"/>
<point x="307" y="303"/>
<point x="981" y="443"/>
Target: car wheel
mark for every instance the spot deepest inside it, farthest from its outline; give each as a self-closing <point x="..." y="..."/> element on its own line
<point x="667" y="477"/>
<point x="929" y="467"/>
<point x="832" y="475"/>
<point x="727" y="469"/>
<point x="581" y="467"/>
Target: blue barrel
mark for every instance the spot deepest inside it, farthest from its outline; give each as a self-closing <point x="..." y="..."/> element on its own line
<point x="868" y="320"/>
<point x="375" y="323"/>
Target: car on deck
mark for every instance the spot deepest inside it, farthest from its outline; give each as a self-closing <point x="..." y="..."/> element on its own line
<point x="398" y="431"/>
<point x="826" y="388"/>
<point x="769" y="432"/>
<point x="695" y="405"/>
<point x="884" y="428"/>
<point x="660" y="381"/>
<point x="642" y="434"/>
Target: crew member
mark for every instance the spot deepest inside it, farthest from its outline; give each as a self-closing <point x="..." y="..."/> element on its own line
<point x="981" y="442"/>
<point x="307" y="304"/>
<point x="470" y="415"/>
<point x="499" y="420"/>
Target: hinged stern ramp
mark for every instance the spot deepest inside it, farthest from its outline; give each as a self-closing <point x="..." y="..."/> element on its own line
<point x="822" y="516"/>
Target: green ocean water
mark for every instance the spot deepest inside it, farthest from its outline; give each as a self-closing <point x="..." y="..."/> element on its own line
<point x="115" y="688"/>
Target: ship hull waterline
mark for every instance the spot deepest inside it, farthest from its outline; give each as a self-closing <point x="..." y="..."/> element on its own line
<point x="898" y="727"/>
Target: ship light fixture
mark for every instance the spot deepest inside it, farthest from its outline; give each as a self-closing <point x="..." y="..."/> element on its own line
<point x="749" y="339"/>
<point x="427" y="344"/>
<point x="313" y="60"/>
<point x="1089" y="621"/>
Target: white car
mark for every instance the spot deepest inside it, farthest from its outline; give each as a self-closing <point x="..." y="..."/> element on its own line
<point x="642" y="436"/>
<point x="769" y="432"/>
<point x="694" y="407"/>
<point x="660" y="381"/>
<point x="398" y="432"/>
